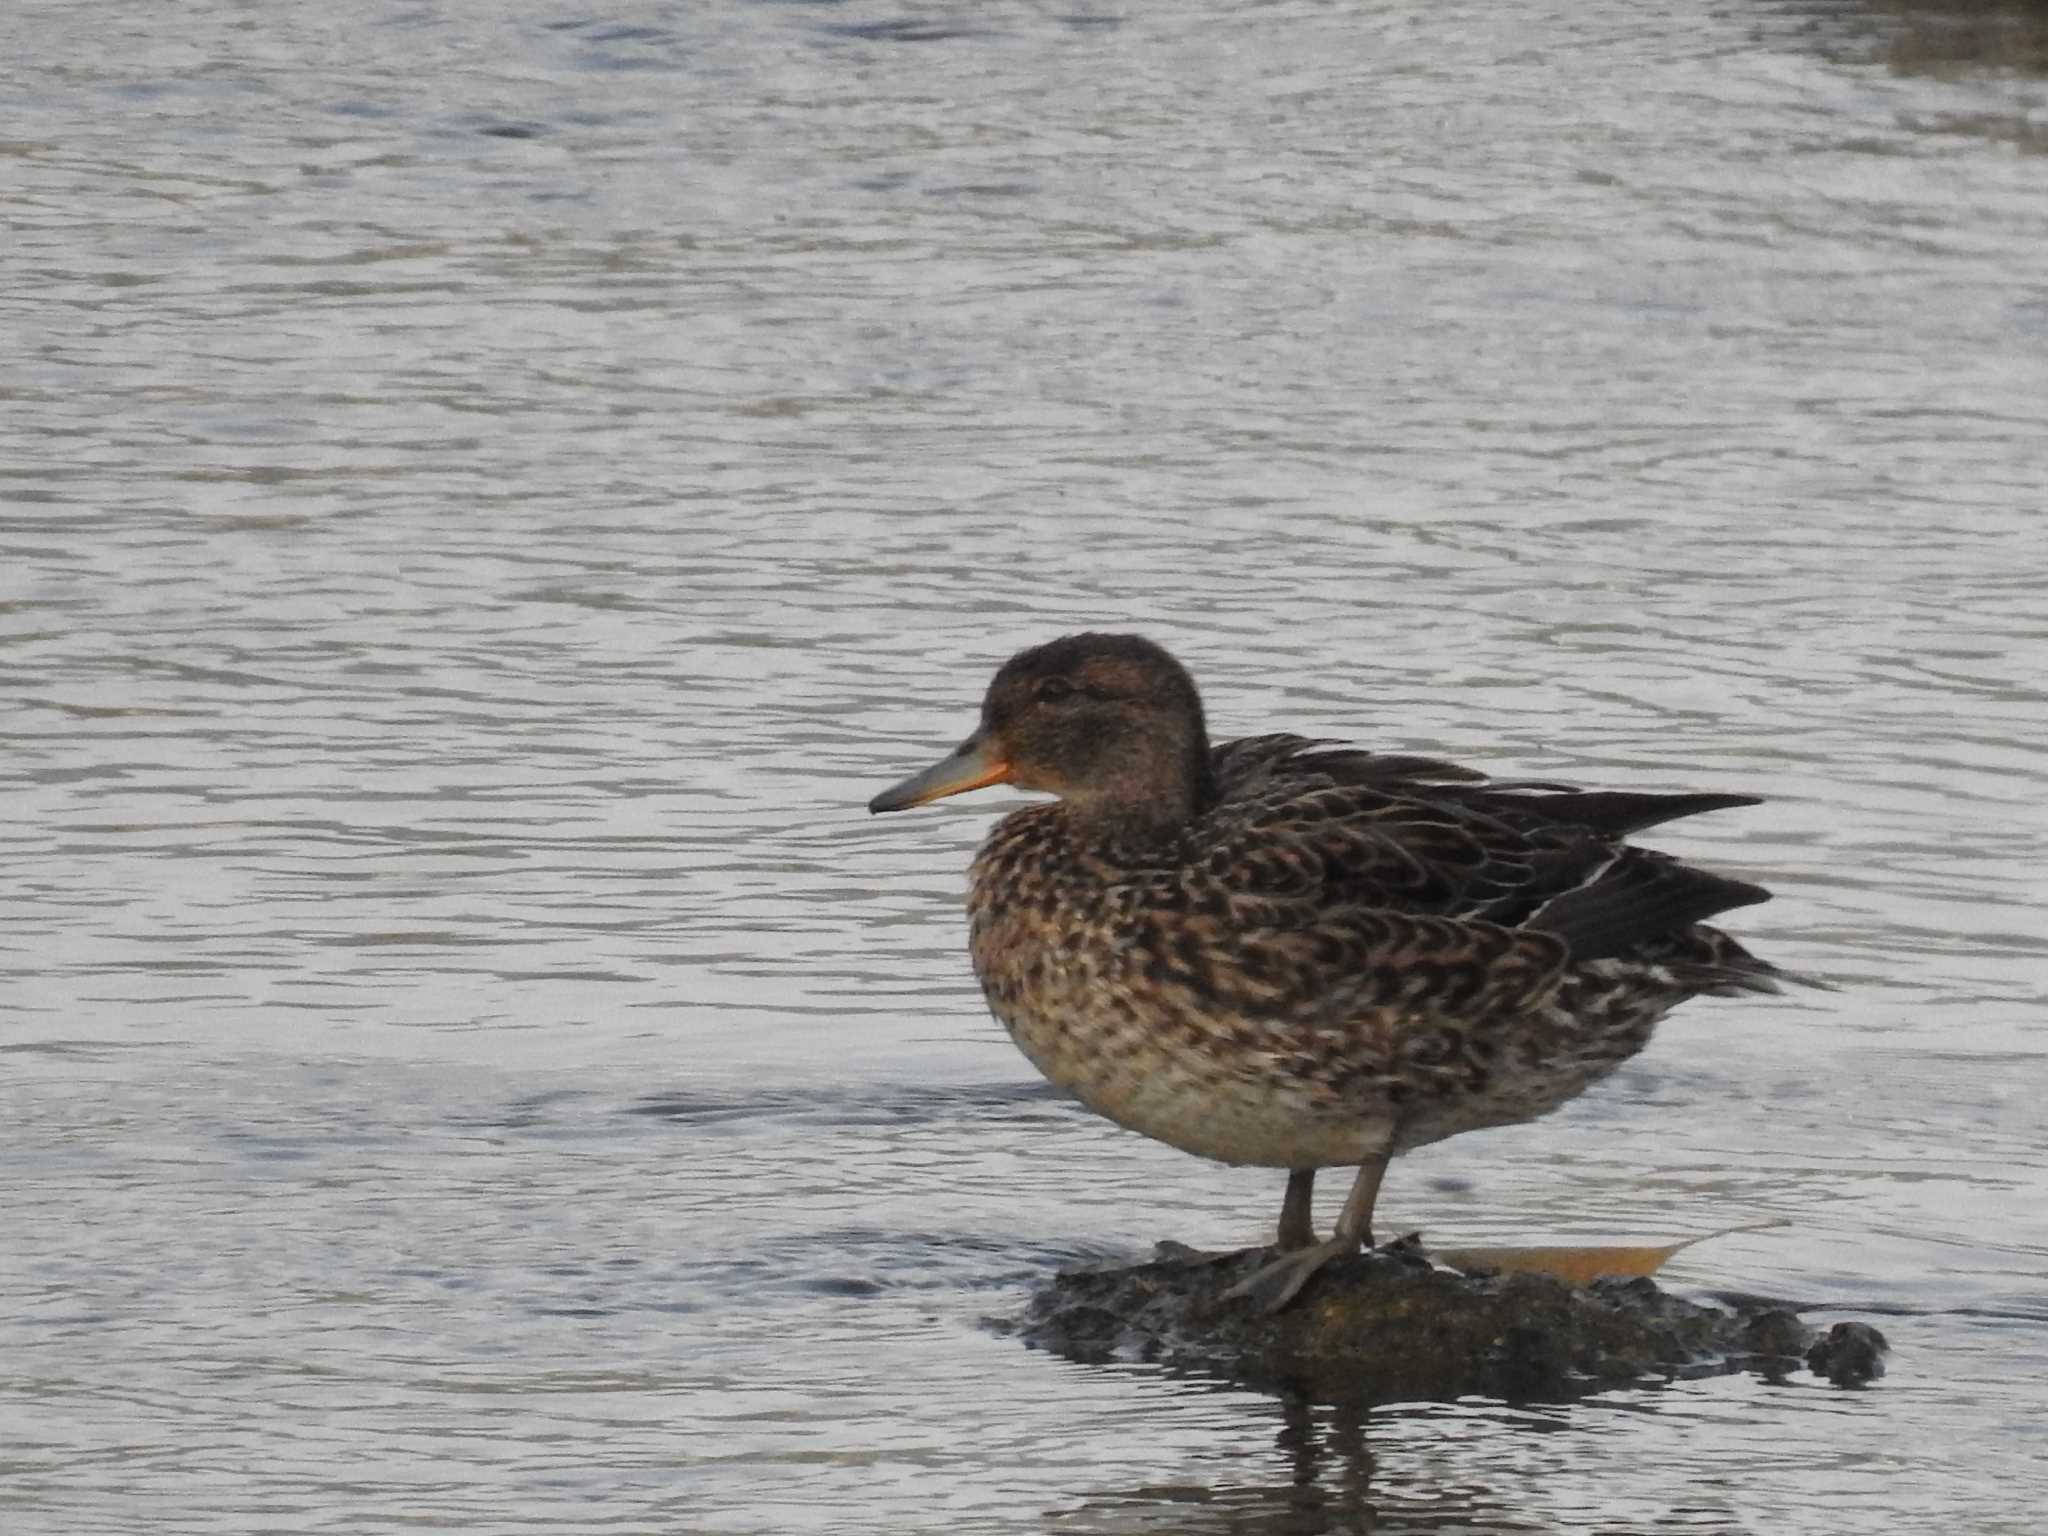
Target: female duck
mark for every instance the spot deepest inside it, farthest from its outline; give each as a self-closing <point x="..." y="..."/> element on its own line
<point x="1267" y="952"/>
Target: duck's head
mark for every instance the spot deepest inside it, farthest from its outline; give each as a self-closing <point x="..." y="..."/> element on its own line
<point x="1110" y="723"/>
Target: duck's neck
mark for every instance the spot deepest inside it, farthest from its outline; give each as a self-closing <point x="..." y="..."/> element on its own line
<point x="1153" y="799"/>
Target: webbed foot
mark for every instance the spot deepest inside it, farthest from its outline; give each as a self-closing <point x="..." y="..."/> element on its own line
<point x="1271" y="1287"/>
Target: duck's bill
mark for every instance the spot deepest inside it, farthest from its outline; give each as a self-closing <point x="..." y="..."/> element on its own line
<point x="971" y="767"/>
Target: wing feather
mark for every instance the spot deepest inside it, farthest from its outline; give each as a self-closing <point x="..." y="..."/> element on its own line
<point x="1361" y="882"/>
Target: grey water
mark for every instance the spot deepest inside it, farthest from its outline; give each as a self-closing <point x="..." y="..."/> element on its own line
<point x="487" y="492"/>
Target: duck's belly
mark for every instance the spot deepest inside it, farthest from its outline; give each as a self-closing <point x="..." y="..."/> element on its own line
<point x="1153" y="1058"/>
<point x="1202" y="1099"/>
<point x="1252" y="1108"/>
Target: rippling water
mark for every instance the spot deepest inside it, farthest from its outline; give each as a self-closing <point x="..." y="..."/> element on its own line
<point x="489" y="492"/>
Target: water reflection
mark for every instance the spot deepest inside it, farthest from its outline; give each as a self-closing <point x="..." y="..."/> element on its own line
<point x="1950" y="39"/>
<point x="1989" y="56"/>
<point x="1319" y="1476"/>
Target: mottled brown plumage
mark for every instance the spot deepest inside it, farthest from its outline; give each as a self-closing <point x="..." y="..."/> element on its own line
<point x="1277" y="953"/>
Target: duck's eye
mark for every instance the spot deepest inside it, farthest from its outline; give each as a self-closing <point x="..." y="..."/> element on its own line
<point x="1054" y="689"/>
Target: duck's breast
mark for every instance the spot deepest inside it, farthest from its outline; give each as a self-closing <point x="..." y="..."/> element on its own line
<point x="1100" y="986"/>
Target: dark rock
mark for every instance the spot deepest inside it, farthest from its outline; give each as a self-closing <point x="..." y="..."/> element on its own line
<point x="1389" y="1326"/>
<point x="1776" y="1332"/>
<point x="1851" y="1355"/>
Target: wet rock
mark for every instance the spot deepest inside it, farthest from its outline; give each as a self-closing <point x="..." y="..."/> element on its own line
<point x="1389" y="1326"/>
<point x="1851" y="1355"/>
<point x="1776" y="1333"/>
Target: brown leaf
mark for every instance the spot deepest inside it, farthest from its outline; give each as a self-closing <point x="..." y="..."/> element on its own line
<point x="1579" y="1266"/>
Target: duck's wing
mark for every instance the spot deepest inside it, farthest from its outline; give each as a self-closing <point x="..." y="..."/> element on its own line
<point x="1315" y="848"/>
<point x="1637" y="898"/>
<point x="1615" y="813"/>
<point x="1583" y="882"/>
<point x="1301" y="852"/>
<point x="1251" y="764"/>
<point x="1388" y="917"/>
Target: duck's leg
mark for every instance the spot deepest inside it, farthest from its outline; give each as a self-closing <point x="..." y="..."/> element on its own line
<point x="1297" y="1230"/>
<point x="1274" y="1285"/>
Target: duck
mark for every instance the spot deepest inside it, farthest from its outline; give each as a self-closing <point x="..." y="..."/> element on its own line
<point x="1285" y="952"/>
